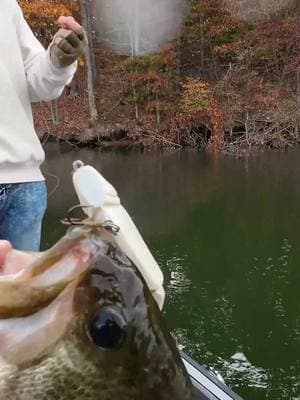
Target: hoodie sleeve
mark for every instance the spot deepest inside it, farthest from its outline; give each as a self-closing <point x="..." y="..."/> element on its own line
<point x="45" y="81"/>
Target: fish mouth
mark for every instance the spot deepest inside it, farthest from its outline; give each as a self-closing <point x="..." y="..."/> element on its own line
<point x="28" y="338"/>
<point x="28" y="287"/>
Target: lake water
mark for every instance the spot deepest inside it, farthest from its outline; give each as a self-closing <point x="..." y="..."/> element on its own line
<point x="226" y="234"/>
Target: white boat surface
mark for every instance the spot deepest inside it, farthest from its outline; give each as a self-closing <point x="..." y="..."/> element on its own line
<point x="207" y="384"/>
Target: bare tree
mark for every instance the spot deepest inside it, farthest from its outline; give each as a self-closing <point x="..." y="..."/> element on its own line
<point x="88" y="57"/>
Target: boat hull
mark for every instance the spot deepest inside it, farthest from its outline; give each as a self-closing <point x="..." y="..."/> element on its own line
<point x="206" y="385"/>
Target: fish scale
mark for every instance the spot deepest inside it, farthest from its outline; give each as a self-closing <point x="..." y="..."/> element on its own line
<point x="57" y="378"/>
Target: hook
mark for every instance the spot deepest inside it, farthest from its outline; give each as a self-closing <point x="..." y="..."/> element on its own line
<point x="107" y="225"/>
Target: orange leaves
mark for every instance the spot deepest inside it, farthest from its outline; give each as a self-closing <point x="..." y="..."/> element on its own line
<point x="195" y="96"/>
<point x="221" y="25"/>
<point x="216" y="116"/>
<point x="47" y="9"/>
<point x="152" y="81"/>
<point x="212" y="27"/>
<point x="226" y="50"/>
<point x="200" y="111"/>
<point x="43" y="14"/>
<point x="163" y="61"/>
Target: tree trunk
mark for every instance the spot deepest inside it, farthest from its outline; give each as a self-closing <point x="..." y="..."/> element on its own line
<point x="88" y="57"/>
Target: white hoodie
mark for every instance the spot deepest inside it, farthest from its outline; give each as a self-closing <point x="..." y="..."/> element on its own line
<point x="26" y="75"/>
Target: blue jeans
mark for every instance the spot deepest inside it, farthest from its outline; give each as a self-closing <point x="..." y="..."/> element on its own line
<point x="22" y="207"/>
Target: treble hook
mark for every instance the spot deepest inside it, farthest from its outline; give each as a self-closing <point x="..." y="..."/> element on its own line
<point x="71" y="220"/>
<point x="107" y="225"/>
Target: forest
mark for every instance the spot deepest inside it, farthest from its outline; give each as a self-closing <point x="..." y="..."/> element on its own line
<point x="230" y="81"/>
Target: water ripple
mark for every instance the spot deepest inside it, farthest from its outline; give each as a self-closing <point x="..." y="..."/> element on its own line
<point x="176" y="280"/>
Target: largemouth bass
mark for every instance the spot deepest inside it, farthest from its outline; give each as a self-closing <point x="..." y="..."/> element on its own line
<point x="86" y="328"/>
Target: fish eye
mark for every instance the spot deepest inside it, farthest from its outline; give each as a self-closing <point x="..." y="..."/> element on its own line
<point x="107" y="328"/>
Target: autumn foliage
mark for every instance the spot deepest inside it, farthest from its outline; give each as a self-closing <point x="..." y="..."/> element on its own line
<point x="49" y="11"/>
<point x="42" y="15"/>
<point x="231" y="80"/>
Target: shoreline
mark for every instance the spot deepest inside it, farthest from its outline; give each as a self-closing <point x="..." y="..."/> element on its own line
<point x="122" y="139"/>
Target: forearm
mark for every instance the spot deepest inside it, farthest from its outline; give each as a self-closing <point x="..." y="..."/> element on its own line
<point x="45" y="81"/>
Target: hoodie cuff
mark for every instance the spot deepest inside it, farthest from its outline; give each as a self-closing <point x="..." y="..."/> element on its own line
<point x="61" y="74"/>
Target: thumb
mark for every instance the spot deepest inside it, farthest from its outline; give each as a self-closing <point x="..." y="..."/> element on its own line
<point x="70" y="24"/>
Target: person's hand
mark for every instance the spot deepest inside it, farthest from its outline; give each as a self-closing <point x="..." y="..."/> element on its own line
<point x="11" y="260"/>
<point x="69" y="43"/>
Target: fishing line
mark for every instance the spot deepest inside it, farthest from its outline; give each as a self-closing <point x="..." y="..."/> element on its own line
<point x="57" y="184"/>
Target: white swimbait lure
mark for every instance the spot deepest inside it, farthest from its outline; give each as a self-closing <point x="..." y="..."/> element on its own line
<point x="104" y="204"/>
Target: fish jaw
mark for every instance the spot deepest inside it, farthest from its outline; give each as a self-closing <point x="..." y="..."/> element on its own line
<point x="27" y="338"/>
<point x="33" y="287"/>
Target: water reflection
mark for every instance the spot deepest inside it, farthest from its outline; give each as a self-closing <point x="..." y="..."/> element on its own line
<point x="271" y="280"/>
<point x="176" y="281"/>
<point x="239" y="369"/>
<point x="275" y="370"/>
<point x="226" y="234"/>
